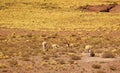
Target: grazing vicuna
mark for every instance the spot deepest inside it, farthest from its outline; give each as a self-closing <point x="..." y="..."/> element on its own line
<point x="91" y="53"/>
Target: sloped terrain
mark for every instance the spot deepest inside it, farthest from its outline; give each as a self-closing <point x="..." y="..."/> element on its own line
<point x="71" y="25"/>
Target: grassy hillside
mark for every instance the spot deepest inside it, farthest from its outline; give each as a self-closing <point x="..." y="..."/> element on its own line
<point x="36" y="14"/>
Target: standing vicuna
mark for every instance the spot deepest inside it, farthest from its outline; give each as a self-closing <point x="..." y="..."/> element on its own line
<point x="88" y="49"/>
<point x="44" y="45"/>
<point x="91" y="53"/>
<point x="53" y="46"/>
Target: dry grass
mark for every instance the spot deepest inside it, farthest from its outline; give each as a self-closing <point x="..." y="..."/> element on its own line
<point x="75" y="57"/>
<point x="54" y="15"/>
<point x="113" y="68"/>
<point x="30" y="67"/>
<point x="13" y="63"/>
<point x="96" y="66"/>
<point x="108" y="54"/>
<point x="37" y="14"/>
<point x="61" y="61"/>
<point x="3" y="66"/>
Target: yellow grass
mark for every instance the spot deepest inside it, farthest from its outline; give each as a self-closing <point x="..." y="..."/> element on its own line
<point x="58" y="14"/>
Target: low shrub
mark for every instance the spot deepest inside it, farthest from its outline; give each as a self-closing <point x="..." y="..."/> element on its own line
<point x="75" y="57"/>
<point x="96" y="66"/>
<point x="112" y="68"/>
<point x="108" y="54"/>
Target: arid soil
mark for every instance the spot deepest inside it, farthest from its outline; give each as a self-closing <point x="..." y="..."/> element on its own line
<point x="21" y="51"/>
<point x="114" y="8"/>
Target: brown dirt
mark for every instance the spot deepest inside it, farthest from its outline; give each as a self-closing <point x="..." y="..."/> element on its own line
<point x="101" y="8"/>
<point x="115" y="9"/>
<point x="26" y="56"/>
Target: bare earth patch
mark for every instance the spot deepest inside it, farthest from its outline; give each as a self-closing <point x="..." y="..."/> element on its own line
<point x="101" y="8"/>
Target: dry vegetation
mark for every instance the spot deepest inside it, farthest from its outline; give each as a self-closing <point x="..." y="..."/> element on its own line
<point x="55" y="14"/>
<point x="95" y="66"/>
<point x="108" y="54"/>
<point x="25" y="24"/>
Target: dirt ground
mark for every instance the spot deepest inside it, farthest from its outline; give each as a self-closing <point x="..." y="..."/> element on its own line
<point x="113" y="8"/>
<point x="21" y="51"/>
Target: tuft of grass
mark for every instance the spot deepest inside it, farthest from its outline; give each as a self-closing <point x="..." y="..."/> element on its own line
<point x="71" y="62"/>
<point x="25" y="58"/>
<point x="108" y="54"/>
<point x="20" y="65"/>
<point x="96" y="66"/>
<point x="46" y="57"/>
<point x="6" y="57"/>
<point x="44" y="63"/>
<point x="2" y="66"/>
<point x="75" y="57"/>
<point x="60" y="61"/>
<point x="113" y="68"/>
<point x="13" y="63"/>
<point x="30" y="67"/>
<point x="53" y="62"/>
